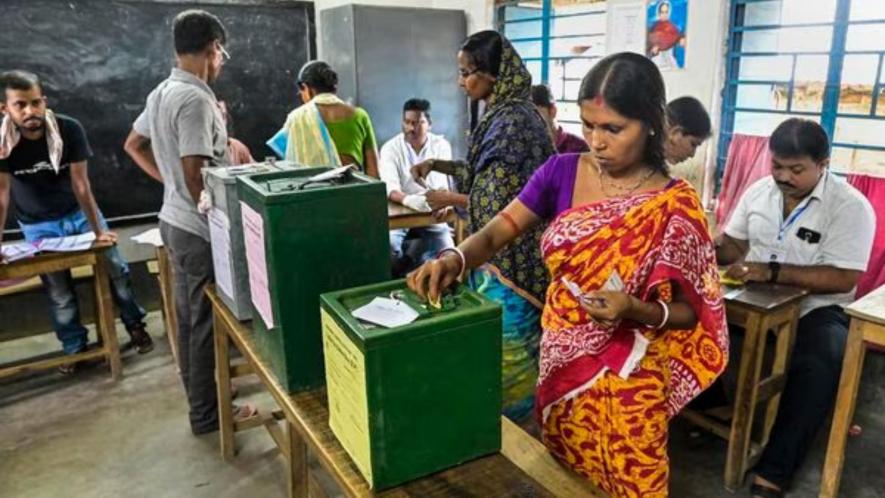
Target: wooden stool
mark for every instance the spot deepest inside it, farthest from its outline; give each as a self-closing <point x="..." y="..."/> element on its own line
<point x="758" y="309"/>
<point x="867" y="329"/>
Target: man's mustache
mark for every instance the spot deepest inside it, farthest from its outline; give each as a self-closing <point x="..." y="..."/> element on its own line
<point x="785" y="184"/>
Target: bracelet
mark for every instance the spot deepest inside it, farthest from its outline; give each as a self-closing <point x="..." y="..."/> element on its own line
<point x="666" y="310"/>
<point x="460" y="257"/>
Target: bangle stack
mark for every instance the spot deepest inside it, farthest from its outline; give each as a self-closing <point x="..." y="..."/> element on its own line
<point x="666" y="309"/>
<point x="461" y="257"/>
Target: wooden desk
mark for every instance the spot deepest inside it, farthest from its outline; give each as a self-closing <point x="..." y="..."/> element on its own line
<point x="104" y="306"/>
<point x="867" y="329"/>
<point x="758" y="309"/>
<point x="399" y="216"/>
<point x="306" y="418"/>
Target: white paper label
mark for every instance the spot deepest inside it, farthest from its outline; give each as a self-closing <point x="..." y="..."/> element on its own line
<point x="253" y="238"/>
<point x="219" y="235"/>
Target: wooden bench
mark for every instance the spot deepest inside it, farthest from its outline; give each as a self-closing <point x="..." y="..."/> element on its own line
<point x="867" y="329"/>
<point x="524" y="468"/>
<point x="95" y="259"/>
<point x="758" y="309"/>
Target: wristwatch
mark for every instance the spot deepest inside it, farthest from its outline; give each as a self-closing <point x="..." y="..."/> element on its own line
<point x="775" y="268"/>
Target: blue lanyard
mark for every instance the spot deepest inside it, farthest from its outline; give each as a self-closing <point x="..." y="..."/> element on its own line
<point x="785" y="225"/>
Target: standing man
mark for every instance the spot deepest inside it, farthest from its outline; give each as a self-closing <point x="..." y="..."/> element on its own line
<point x="415" y="144"/>
<point x="805" y="227"/>
<point x="43" y="159"/>
<point x="564" y="141"/>
<point x="179" y="133"/>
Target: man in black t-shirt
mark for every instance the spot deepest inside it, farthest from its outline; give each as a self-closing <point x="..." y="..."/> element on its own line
<point x="43" y="165"/>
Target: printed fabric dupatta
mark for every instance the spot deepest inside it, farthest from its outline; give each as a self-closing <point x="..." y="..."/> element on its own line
<point x="652" y="240"/>
<point x="308" y="142"/>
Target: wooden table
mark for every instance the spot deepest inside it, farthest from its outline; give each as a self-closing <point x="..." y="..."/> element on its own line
<point x="867" y="329"/>
<point x="399" y="216"/>
<point x="306" y="419"/>
<point x="167" y="298"/>
<point x="104" y="306"/>
<point x="758" y="309"/>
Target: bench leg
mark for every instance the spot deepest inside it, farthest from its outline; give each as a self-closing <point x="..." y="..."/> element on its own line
<point x="852" y="366"/>
<point x="786" y="339"/>
<point x="297" y="464"/>
<point x="104" y="312"/>
<point x="164" y="276"/>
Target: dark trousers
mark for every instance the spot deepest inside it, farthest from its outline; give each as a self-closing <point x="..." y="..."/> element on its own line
<point x="812" y="381"/>
<point x="191" y="259"/>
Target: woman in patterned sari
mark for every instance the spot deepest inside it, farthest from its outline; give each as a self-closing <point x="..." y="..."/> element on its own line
<point x="634" y="325"/>
<point x="507" y="145"/>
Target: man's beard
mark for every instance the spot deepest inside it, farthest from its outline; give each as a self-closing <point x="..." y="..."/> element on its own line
<point x="40" y="121"/>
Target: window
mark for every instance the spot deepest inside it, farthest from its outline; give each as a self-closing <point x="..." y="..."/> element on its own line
<point x="559" y="41"/>
<point x="818" y="59"/>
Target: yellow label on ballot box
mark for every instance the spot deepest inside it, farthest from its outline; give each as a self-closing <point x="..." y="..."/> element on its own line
<point x="346" y="387"/>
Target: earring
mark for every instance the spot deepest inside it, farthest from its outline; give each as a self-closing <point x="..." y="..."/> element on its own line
<point x="652" y="133"/>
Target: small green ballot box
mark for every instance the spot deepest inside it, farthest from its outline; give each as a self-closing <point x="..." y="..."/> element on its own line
<point x="308" y="231"/>
<point x="418" y="398"/>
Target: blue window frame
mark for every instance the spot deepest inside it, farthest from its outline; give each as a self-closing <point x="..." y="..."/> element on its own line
<point x="559" y="42"/>
<point x="818" y="59"/>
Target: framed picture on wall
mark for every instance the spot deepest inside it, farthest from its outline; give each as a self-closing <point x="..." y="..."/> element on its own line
<point x="666" y="35"/>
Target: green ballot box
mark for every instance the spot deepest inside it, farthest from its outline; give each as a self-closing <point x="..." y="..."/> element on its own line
<point x="305" y="235"/>
<point x="413" y="399"/>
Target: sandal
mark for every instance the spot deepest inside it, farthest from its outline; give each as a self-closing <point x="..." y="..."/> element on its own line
<point x="760" y="491"/>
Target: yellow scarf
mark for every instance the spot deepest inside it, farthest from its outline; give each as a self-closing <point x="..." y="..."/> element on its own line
<point x="310" y="143"/>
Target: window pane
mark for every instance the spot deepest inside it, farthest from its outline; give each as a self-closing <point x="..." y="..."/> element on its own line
<point x="757" y="123"/>
<point x="571" y="127"/>
<point x="523" y="29"/>
<point x="867" y="10"/>
<point x="814" y="39"/>
<point x="568" y="111"/>
<point x="534" y="67"/>
<point x="860" y="131"/>
<point x="578" y="25"/>
<point x="880" y="107"/>
<point x="577" y="68"/>
<point x="789" y="12"/>
<point x="514" y="12"/>
<point x="845" y="160"/>
<point x="528" y="49"/>
<point x="770" y="97"/>
<point x="810" y="80"/>
<point x="866" y="36"/>
<point x="585" y="45"/>
<point x="765" y="68"/>
<point x="856" y="89"/>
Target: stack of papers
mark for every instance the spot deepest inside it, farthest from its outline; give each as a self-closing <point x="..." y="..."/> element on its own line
<point x="151" y="237"/>
<point x="18" y="250"/>
<point x="71" y="243"/>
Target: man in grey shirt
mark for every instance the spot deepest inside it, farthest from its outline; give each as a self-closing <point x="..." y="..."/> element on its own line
<point x="180" y="132"/>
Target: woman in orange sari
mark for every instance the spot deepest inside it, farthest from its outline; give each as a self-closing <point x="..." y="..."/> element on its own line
<point x="634" y="324"/>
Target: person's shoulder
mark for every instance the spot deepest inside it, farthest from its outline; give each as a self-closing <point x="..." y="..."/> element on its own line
<point x="392" y="143"/>
<point x="438" y="140"/>
<point x="762" y="187"/>
<point x="68" y="125"/>
<point x="846" y="196"/>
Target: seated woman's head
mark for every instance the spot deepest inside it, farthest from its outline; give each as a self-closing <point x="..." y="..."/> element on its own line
<point x="316" y="77"/>
<point x="623" y="103"/>
<point x="479" y="61"/>
<point x="688" y="126"/>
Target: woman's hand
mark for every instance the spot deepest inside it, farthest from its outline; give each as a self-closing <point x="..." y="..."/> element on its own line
<point x="421" y="170"/>
<point x="434" y="276"/>
<point x="607" y="307"/>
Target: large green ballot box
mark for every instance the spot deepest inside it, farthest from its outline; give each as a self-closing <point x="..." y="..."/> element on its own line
<point x="303" y="236"/>
<point x="414" y="399"/>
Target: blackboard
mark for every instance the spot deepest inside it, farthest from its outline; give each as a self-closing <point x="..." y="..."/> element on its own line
<point x="99" y="59"/>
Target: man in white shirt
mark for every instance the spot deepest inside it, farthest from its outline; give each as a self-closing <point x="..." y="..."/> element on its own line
<point x="805" y="227"/>
<point x="414" y="145"/>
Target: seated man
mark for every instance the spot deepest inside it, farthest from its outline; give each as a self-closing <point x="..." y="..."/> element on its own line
<point x="415" y="144"/>
<point x="688" y="126"/>
<point x="563" y="141"/>
<point x="805" y="227"/>
<point x="43" y="162"/>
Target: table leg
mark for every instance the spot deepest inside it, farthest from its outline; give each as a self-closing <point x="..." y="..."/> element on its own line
<point x="297" y="464"/>
<point x="164" y="275"/>
<point x="745" y="400"/>
<point x="852" y="366"/>
<point x="104" y="312"/>
<point x="222" y="381"/>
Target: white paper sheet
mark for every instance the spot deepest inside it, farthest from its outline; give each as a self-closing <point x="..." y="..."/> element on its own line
<point x="71" y="243"/>
<point x="625" y="31"/>
<point x="386" y="312"/>
<point x="253" y="237"/>
<point x="151" y="237"/>
<point x="18" y="250"/>
<point x="219" y="237"/>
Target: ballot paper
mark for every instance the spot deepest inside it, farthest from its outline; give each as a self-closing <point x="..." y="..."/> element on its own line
<point x="386" y="312"/>
<point x="328" y="175"/>
<point x="18" y="251"/>
<point x="151" y="237"/>
<point x="70" y="243"/>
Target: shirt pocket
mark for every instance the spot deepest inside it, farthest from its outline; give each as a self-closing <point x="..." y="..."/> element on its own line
<point x="805" y="251"/>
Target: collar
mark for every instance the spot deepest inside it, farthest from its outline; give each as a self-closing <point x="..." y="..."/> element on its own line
<point x="183" y="76"/>
<point x="821" y="187"/>
<point x="424" y="147"/>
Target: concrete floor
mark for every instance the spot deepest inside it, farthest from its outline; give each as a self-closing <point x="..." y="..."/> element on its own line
<point x="86" y="436"/>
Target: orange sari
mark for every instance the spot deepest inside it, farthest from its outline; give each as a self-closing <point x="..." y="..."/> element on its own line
<point x="605" y="395"/>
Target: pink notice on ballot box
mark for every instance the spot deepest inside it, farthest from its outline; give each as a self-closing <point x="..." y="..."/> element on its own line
<point x="253" y="237"/>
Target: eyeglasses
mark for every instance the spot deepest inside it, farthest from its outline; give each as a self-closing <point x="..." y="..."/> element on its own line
<point x="464" y="73"/>
<point x="224" y="54"/>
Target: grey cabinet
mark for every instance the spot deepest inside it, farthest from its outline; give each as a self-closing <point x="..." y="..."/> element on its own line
<point x="386" y="55"/>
